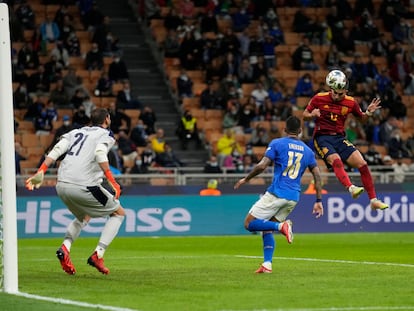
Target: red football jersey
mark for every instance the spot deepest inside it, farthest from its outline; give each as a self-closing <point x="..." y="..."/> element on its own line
<point x="333" y="114"/>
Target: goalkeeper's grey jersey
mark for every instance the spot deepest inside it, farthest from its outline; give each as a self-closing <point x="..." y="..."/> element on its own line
<point x="79" y="165"/>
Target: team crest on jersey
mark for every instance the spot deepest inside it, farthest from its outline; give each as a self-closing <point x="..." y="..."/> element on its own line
<point x="326" y="106"/>
<point x="325" y="150"/>
<point x="344" y="110"/>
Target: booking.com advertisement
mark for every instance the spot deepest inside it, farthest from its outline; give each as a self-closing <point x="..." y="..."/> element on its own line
<point x="47" y="216"/>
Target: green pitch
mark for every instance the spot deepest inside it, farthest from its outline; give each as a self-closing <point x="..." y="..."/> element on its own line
<point x="317" y="272"/>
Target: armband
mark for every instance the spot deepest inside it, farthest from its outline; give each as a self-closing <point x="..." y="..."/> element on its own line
<point x="318" y="200"/>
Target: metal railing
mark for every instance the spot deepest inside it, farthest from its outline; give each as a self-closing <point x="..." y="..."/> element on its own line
<point x="194" y="176"/>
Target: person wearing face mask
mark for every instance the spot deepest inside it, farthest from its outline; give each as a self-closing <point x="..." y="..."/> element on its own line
<point x="330" y="111"/>
<point x="117" y="70"/>
<point x="304" y="86"/>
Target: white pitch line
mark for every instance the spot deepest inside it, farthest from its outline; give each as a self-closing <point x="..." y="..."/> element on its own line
<point x="73" y="302"/>
<point x="336" y="261"/>
<point x="372" y="308"/>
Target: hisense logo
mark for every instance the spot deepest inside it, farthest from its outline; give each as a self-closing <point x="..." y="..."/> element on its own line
<point x="40" y="218"/>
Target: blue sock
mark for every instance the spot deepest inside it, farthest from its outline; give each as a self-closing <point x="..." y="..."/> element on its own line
<point x="263" y="225"/>
<point x="268" y="246"/>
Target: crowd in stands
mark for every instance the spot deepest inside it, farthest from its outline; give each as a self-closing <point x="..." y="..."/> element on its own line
<point x="261" y="61"/>
<point x="252" y="62"/>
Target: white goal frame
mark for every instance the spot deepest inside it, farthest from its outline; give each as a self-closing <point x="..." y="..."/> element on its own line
<point x="8" y="206"/>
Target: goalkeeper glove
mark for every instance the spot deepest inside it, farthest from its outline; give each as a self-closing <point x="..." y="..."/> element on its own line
<point x="37" y="179"/>
<point x="112" y="182"/>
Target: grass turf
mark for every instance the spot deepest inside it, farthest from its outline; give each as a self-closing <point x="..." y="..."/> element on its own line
<point x="343" y="271"/>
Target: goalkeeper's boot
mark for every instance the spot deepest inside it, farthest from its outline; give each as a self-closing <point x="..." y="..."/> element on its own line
<point x="63" y="255"/>
<point x="355" y="191"/>
<point x="286" y="229"/>
<point x="378" y="204"/>
<point x="265" y="267"/>
<point x="98" y="263"/>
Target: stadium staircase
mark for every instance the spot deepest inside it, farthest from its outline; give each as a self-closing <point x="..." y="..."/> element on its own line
<point x="147" y="78"/>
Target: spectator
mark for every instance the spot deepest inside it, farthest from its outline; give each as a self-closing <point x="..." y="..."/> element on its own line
<point x="345" y="42"/>
<point x="104" y="85"/>
<point x="304" y="86"/>
<point x="354" y="132"/>
<point x="38" y="81"/>
<point x="208" y="23"/>
<point x="247" y="115"/>
<point x="27" y="57"/>
<point x="189" y="52"/>
<point x="187" y="130"/>
<point x="187" y="9"/>
<point x="49" y="30"/>
<point x="34" y="109"/>
<point x="380" y="46"/>
<point x="400" y="69"/>
<point x="89" y="105"/>
<point x="303" y="57"/>
<point x="372" y="156"/>
<point x="53" y="69"/>
<point x="42" y="124"/>
<point x="226" y="145"/>
<point x="359" y="69"/>
<point x="72" y="44"/>
<point x="210" y="98"/>
<point x="260" y="137"/>
<point x="71" y="82"/>
<point x="397" y="147"/>
<point x="118" y="118"/>
<point x="21" y="98"/>
<point x="61" y="54"/>
<point x="80" y="118"/>
<point x="245" y="72"/>
<point x="26" y="16"/>
<point x="101" y="32"/>
<point x="117" y="70"/>
<point x="168" y="158"/>
<point x="212" y="166"/>
<point x="66" y="29"/>
<point x="94" y="58"/>
<point x="149" y="118"/>
<point x="211" y="189"/>
<point x="158" y="141"/>
<point x="241" y="19"/>
<point x="400" y="169"/>
<point x="138" y="134"/>
<point x="92" y="18"/>
<point x="274" y="131"/>
<point x="184" y="85"/>
<point x="401" y="31"/>
<point x="259" y="94"/>
<point x="127" y="148"/>
<point x="173" y="20"/>
<point x="125" y="99"/>
<point x="231" y="118"/>
<point x="77" y="98"/>
<point x="62" y="14"/>
<point x="171" y="44"/>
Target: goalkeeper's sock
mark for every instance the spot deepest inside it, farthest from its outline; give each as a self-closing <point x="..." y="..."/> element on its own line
<point x="72" y="232"/>
<point x="262" y="225"/>
<point x="109" y="232"/>
<point x="268" y="246"/>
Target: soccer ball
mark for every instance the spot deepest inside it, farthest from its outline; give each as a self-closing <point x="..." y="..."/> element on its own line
<point x="336" y="80"/>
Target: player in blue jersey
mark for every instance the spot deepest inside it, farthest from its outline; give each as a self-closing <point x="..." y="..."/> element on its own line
<point x="291" y="157"/>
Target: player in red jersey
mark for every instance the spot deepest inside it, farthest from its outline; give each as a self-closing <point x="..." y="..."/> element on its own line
<point x="330" y="111"/>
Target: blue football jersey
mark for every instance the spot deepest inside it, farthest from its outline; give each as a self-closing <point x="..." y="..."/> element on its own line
<point x="291" y="158"/>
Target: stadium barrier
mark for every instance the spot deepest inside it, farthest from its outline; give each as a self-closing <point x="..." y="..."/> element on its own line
<point x="44" y="215"/>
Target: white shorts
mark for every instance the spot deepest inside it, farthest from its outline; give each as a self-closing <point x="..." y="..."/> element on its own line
<point x="93" y="201"/>
<point x="270" y="205"/>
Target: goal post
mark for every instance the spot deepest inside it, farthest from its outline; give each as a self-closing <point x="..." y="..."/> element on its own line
<point x="8" y="206"/>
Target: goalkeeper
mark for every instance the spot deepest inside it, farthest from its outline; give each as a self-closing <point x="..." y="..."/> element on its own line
<point x="80" y="175"/>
